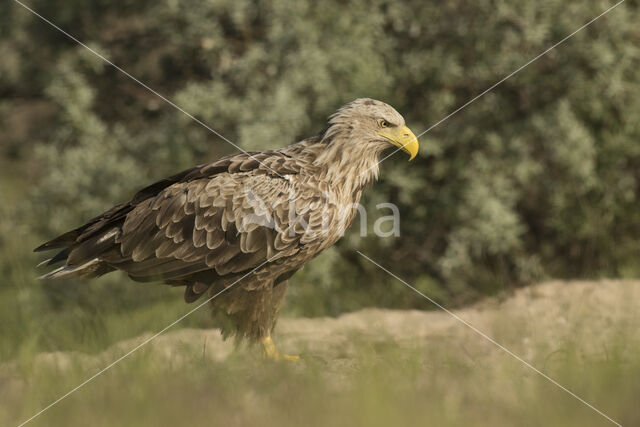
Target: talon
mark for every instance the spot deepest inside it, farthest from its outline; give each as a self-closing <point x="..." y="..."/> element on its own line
<point x="269" y="351"/>
<point x="290" y="357"/>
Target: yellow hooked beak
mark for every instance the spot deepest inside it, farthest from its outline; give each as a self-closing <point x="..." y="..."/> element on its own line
<point x="402" y="138"/>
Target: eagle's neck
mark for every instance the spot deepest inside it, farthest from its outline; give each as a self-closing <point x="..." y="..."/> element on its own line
<point x="346" y="166"/>
<point x="350" y="170"/>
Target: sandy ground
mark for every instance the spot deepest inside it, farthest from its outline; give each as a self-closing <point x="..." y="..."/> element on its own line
<point x="418" y="366"/>
<point x="549" y="312"/>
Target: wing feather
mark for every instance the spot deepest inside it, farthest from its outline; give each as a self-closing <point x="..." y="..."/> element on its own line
<point x="228" y="216"/>
<point x="224" y="224"/>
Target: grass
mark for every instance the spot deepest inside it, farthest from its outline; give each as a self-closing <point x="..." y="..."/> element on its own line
<point x="380" y="368"/>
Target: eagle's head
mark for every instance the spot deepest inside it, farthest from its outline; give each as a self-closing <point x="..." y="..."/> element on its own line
<point x="373" y="125"/>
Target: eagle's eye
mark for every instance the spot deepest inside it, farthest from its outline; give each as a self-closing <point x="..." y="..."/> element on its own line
<point x="383" y="123"/>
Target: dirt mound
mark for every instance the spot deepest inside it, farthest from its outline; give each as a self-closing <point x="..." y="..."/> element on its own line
<point x="381" y="367"/>
<point x="543" y="311"/>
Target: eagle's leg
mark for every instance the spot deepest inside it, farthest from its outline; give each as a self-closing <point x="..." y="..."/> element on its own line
<point x="269" y="351"/>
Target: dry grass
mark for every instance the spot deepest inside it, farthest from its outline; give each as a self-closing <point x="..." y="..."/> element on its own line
<point x="379" y="368"/>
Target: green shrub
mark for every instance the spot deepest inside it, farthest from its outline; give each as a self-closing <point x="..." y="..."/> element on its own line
<point x="540" y="177"/>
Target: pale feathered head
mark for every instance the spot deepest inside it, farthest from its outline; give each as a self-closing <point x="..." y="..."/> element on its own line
<point x="372" y="125"/>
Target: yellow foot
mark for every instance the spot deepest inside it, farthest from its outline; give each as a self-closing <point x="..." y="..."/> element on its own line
<point x="269" y="351"/>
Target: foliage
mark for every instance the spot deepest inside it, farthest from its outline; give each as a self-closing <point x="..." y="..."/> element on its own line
<point x="539" y="177"/>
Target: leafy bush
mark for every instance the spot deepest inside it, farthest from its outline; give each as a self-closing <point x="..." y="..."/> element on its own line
<point x="540" y="177"/>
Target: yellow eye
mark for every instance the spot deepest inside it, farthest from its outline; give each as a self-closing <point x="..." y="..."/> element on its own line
<point x="383" y="123"/>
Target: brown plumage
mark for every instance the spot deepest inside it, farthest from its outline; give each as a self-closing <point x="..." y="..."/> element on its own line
<point x="262" y="215"/>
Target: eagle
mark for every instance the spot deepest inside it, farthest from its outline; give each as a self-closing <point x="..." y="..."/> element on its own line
<point x="239" y="227"/>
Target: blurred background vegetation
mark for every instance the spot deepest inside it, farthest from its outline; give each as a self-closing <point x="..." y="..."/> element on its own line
<point x="539" y="178"/>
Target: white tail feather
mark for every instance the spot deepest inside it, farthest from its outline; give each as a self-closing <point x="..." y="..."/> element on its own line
<point x="67" y="271"/>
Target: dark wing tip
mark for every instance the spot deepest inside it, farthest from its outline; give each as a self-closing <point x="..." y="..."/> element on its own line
<point x="53" y="244"/>
<point x="61" y="241"/>
<point x="44" y="247"/>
